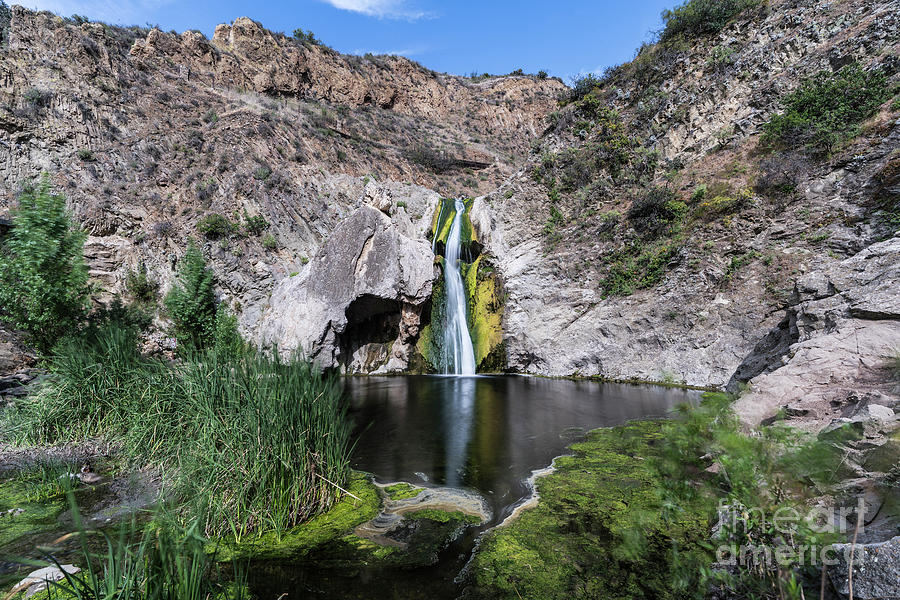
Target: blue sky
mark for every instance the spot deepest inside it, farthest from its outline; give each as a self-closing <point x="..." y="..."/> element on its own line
<point x="566" y="38"/>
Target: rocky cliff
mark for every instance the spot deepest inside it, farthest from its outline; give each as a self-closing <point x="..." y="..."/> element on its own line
<point x="259" y="145"/>
<point x="599" y="284"/>
<point x="307" y="172"/>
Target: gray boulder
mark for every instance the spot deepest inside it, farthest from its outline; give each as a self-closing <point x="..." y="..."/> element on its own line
<point x="876" y="570"/>
<point x="357" y="304"/>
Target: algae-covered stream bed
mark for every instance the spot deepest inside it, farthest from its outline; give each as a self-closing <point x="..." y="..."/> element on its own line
<point x="484" y="435"/>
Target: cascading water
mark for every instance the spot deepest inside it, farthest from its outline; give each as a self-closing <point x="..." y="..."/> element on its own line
<point x="459" y="355"/>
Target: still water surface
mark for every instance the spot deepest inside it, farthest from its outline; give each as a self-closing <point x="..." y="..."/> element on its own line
<point x="485" y="434"/>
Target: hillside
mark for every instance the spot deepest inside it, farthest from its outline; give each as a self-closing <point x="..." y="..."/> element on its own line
<point x="155" y="137"/>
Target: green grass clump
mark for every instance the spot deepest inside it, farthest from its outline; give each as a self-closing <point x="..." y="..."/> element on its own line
<point x="250" y="442"/>
<point x="638" y="267"/>
<point x="827" y="109"/>
<point x="163" y="561"/>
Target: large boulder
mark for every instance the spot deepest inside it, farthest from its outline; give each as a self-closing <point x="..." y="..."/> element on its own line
<point x="358" y="302"/>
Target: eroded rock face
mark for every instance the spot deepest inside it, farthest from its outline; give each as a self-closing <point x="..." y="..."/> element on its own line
<point x="358" y="303"/>
<point x="848" y="323"/>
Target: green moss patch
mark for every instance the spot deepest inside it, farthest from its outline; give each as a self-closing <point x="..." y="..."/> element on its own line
<point x="598" y="529"/>
<point x="485" y="303"/>
<point x="401" y="491"/>
<point x="40" y="508"/>
<point x="297" y="542"/>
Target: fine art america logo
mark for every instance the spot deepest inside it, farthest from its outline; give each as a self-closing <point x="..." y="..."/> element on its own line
<point x="751" y="538"/>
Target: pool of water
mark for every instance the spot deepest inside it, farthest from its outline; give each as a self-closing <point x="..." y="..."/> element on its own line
<point x="485" y="434"/>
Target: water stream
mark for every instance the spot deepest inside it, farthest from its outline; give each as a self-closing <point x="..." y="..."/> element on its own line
<point x="459" y="355"/>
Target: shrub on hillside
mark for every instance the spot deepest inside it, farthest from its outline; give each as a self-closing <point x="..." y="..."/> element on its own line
<point x="43" y="277"/>
<point x="701" y="17"/>
<point x="215" y="226"/>
<point x="140" y="285"/>
<point x="781" y="172"/>
<point x="656" y="210"/>
<point x="827" y="109"/>
<point x="583" y="85"/>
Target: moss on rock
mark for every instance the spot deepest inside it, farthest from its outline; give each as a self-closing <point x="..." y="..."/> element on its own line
<point x="485" y="303"/>
<point x="401" y="491"/>
<point x="297" y="542"/>
<point x="598" y="530"/>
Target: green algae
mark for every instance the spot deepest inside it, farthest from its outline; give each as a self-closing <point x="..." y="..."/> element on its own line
<point x="401" y="491"/>
<point x="297" y="542"/>
<point x="485" y="302"/>
<point x="40" y="502"/>
<point x="443" y="221"/>
<point x="600" y="529"/>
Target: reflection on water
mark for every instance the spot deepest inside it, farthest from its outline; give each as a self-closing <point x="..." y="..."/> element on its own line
<point x="457" y="427"/>
<point x="486" y="433"/>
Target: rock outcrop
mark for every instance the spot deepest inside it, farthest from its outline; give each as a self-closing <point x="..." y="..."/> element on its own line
<point x="357" y="305"/>
<point x="848" y="325"/>
<point x="148" y="133"/>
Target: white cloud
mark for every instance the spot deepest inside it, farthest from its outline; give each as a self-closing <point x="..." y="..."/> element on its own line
<point x="119" y="12"/>
<point x="390" y="9"/>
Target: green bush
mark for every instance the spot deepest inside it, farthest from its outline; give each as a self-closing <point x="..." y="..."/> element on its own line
<point x="305" y="36"/>
<point x="215" y="226"/>
<point x="583" y="85"/>
<point x="701" y="17"/>
<point x="638" y="267"/>
<point x="269" y="242"/>
<point x="655" y="211"/>
<point x="43" y="277"/>
<point x="827" y="109"/>
<point x="191" y="303"/>
<point x="256" y="224"/>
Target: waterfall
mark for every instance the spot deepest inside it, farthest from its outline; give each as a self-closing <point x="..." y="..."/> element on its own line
<point x="459" y="356"/>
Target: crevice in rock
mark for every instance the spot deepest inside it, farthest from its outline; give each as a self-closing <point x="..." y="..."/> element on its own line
<point x="373" y="325"/>
<point x="768" y="354"/>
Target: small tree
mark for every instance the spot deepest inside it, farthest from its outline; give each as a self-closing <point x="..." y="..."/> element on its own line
<point x="44" y="287"/>
<point x="192" y="301"/>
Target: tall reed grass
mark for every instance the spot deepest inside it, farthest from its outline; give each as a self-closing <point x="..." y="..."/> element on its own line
<point x="248" y="442"/>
